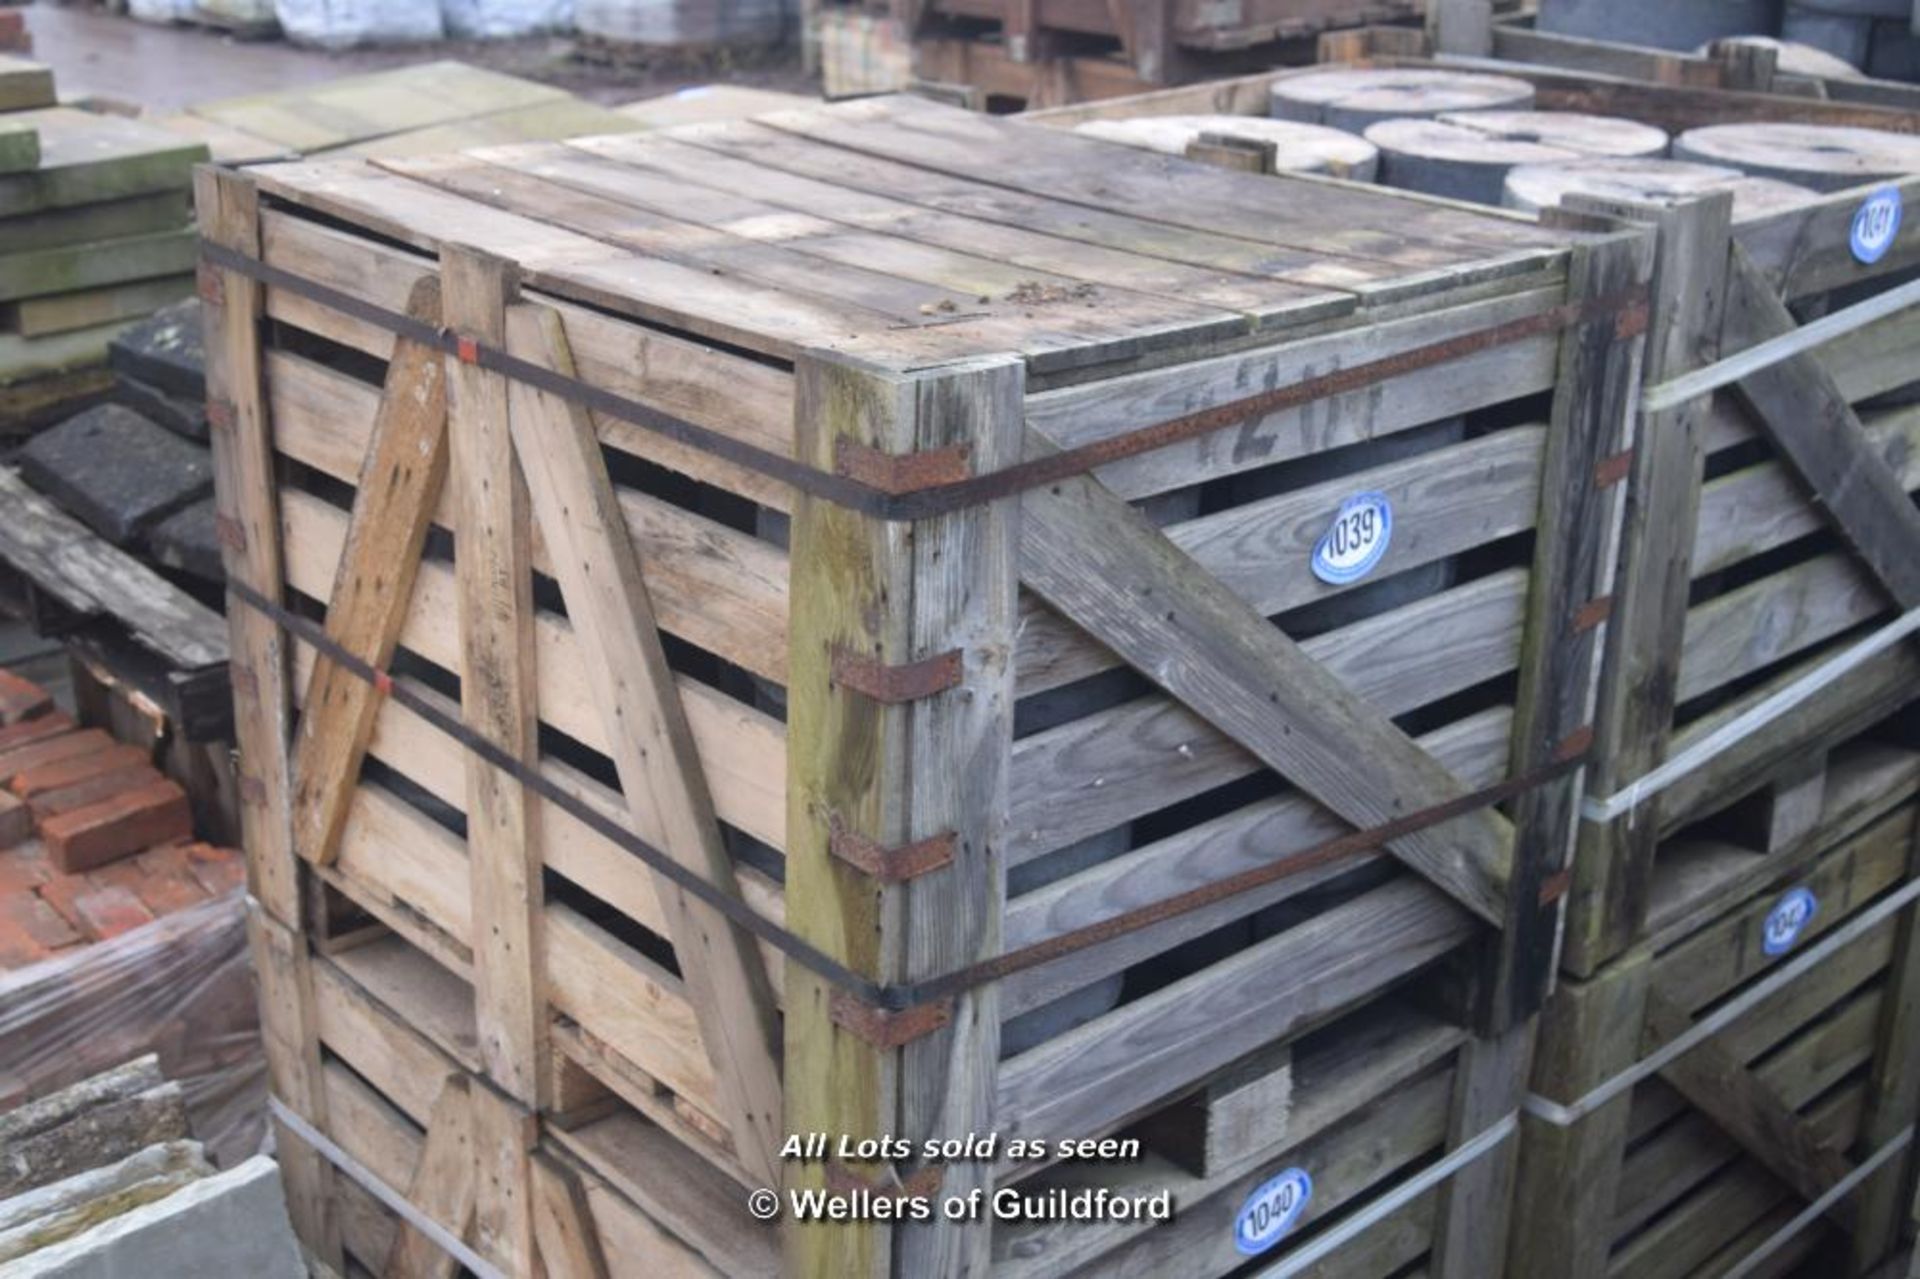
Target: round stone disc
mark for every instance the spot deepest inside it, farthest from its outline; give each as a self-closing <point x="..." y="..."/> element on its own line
<point x="1822" y="156"/>
<point x="1466" y="155"/>
<point x="1794" y="58"/>
<point x="1352" y="99"/>
<point x="1298" y="148"/>
<point x="1533" y="187"/>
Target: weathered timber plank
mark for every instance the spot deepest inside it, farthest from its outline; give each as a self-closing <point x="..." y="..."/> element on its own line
<point x="1095" y="559"/>
<point x="442" y="1187"/>
<point x="1809" y="421"/>
<point x="493" y="573"/>
<point x="405" y="465"/>
<point x="653" y="745"/>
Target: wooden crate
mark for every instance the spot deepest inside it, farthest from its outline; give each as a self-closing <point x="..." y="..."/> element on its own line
<point x="867" y="718"/>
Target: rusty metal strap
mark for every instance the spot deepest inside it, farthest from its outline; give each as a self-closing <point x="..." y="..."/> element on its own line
<point x="907" y="488"/>
<point x="905" y="996"/>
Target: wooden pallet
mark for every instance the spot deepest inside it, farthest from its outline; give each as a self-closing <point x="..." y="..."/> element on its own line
<point x="451" y="963"/>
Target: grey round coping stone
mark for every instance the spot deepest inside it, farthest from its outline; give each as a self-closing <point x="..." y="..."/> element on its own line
<point x="1351" y="98"/>
<point x="1793" y="57"/>
<point x="1466" y="155"/>
<point x="1824" y="157"/>
<point x="1533" y="187"/>
<point x="1663" y="24"/>
<point x="1298" y="148"/>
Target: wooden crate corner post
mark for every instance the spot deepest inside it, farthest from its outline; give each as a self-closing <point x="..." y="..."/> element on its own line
<point x="900" y="724"/>
<point x="228" y="207"/>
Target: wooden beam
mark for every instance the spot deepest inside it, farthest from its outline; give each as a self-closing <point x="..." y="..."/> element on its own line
<point x="441" y="1187"/>
<point x="1577" y="533"/>
<point x="1101" y="564"/>
<point x="653" y="749"/>
<point x="1471" y="1216"/>
<point x="1633" y="717"/>
<point x="932" y="767"/>
<point x="504" y="1135"/>
<point x="1808" y="419"/>
<point x="1893" y="1091"/>
<point x="229" y="213"/>
<point x="563" y="1223"/>
<point x="1753" y="1114"/>
<point x="406" y="463"/>
<point x="493" y="572"/>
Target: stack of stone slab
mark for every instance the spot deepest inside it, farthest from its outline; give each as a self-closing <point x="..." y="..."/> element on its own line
<point x="95" y="232"/>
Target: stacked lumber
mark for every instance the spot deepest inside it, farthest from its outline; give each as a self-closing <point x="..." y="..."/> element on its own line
<point x="95" y="232"/>
<point x="1042" y="710"/>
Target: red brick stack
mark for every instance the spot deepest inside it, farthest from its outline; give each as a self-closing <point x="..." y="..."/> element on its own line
<point x="114" y="847"/>
<point x="14" y="37"/>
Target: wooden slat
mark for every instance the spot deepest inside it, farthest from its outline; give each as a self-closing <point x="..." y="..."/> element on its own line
<point x="442" y="1187"/>
<point x="1893" y="1089"/>
<point x="563" y="1224"/>
<point x="1100" y="563"/>
<point x="405" y="465"/>
<point x="244" y="493"/>
<point x="653" y="745"/>
<point x="1100" y="1073"/>
<point x="493" y="573"/>
<point x="1808" y="420"/>
<point x="1474" y="1206"/>
<point x="1754" y="1115"/>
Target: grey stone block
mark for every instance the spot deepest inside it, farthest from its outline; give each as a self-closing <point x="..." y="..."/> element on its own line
<point x="116" y="471"/>
<point x="165" y="350"/>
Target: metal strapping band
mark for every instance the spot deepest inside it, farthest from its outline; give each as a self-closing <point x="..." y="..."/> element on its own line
<point x="1350" y="1228"/>
<point x="939" y="494"/>
<point x="1562" y="1115"/>
<point x="902" y="996"/>
<point x="1761" y="355"/>
<point x="441" y="1236"/>
<point x="1814" y="1211"/>
<point x="894" y="685"/>
<point x="1700" y="753"/>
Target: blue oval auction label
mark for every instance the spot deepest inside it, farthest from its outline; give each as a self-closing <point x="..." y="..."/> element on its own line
<point x="1356" y="539"/>
<point x="1271" y="1211"/>
<point x="1875" y="224"/>
<point x="1787" y="919"/>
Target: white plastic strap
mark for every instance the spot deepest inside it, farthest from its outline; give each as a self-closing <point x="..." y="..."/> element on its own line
<point x="1760" y="355"/>
<point x="1561" y="1116"/>
<point x="384" y="1193"/>
<point x="1813" y="1211"/>
<point x="1595" y="809"/>
<point x="1322" y="1245"/>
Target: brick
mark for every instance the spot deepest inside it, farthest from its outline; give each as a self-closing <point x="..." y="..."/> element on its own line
<point x="16" y="823"/>
<point x="220" y="870"/>
<point x="24" y="869"/>
<point x="65" y="772"/>
<point x="91" y="791"/>
<point x="170" y="890"/>
<point x="35" y="730"/>
<point x="116" y="827"/>
<point x="22" y="699"/>
<point x="110" y="911"/>
<point x="31" y="930"/>
<point x="51" y="750"/>
<point x="63" y="894"/>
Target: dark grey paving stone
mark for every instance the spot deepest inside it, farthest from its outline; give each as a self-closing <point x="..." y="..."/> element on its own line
<point x="117" y="471"/>
<point x="186" y="541"/>
<point x="179" y="414"/>
<point x="165" y="350"/>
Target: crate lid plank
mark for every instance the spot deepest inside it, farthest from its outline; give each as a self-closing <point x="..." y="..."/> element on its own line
<point x="680" y="232"/>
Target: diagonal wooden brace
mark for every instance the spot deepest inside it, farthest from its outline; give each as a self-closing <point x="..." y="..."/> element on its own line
<point x="1747" y="1109"/>
<point x="400" y="483"/>
<point x="442" y="1187"/>
<point x="1109" y="571"/>
<point x="1803" y="411"/>
<point x="579" y="515"/>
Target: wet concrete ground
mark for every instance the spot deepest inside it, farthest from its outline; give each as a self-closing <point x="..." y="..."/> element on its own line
<point x="165" y="68"/>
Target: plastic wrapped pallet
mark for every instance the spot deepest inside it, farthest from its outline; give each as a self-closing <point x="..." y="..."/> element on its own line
<point x="181" y="987"/>
<point x="671" y="23"/>
<point x="504" y="19"/>
<point x="341" y="24"/>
